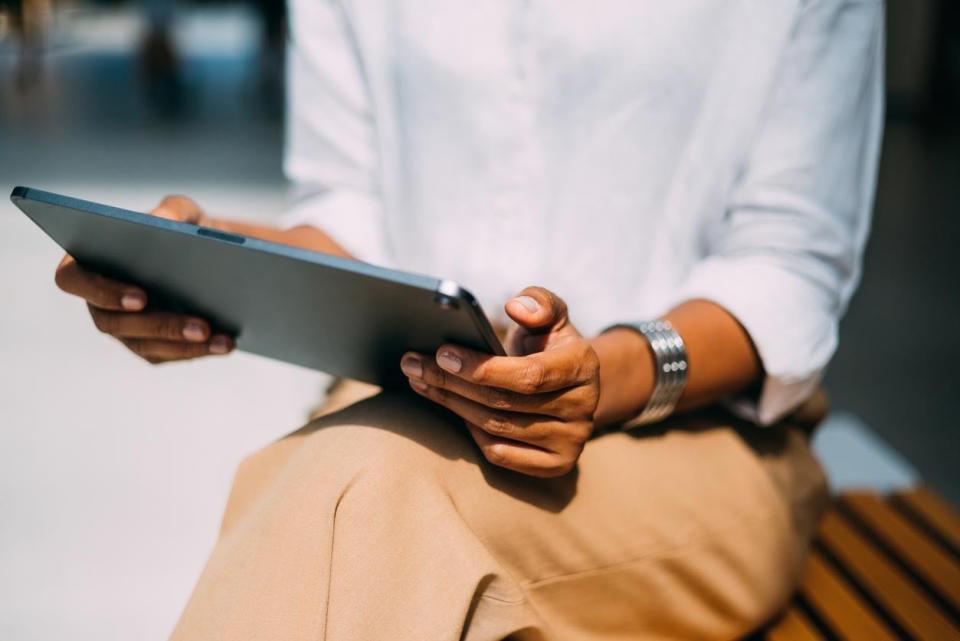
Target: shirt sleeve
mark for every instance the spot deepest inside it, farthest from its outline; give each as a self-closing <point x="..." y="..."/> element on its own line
<point x="331" y="154"/>
<point x="788" y="257"/>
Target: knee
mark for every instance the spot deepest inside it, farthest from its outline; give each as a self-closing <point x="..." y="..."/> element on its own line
<point x="386" y="435"/>
<point x="385" y="441"/>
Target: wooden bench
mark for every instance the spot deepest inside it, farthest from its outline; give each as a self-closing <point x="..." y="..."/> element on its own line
<point x="882" y="569"/>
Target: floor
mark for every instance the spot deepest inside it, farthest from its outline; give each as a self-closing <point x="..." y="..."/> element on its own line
<point x="113" y="473"/>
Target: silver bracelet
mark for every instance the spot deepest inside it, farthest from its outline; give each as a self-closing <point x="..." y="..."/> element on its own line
<point x="670" y="355"/>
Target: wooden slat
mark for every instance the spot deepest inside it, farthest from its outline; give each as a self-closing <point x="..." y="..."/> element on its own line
<point x="836" y="602"/>
<point x="935" y="512"/>
<point x="927" y="558"/>
<point x="793" y="626"/>
<point x="889" y="586"/>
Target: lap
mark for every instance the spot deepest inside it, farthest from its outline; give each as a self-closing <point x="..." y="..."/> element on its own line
<point x="686" y="523"/>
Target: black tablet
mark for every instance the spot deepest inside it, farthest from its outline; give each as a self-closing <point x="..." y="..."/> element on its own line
<point x="327" y="313"/>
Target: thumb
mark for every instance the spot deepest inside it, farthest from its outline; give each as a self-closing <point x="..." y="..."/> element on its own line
<point x="543" y="319"/>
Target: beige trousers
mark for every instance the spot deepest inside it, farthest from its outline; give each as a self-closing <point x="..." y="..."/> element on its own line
<point x="381" y="521"/>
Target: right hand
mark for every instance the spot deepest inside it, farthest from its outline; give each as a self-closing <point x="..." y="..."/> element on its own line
<point x="120" y="309"/>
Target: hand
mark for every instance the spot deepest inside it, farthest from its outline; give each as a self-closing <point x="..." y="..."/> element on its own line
<point x="531" y="412"/>
<point x="120" y="309"/>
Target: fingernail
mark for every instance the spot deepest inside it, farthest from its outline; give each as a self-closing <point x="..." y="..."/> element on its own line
<point x="132" y="301"/>
<point x="449" y="361"/>
<point x="193" y="331"/>
<point x="528" y="302"/>
<point x="412" y="366"/>
<point x="219" y="345"/>
<point x="419" y="385"/>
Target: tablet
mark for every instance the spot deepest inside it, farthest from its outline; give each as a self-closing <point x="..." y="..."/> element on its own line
<point x="327" y="313"/>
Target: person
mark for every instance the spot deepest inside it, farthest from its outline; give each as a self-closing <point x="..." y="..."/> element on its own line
<point x="706" y="166"/>
<point x="26" y="21"/>
<point x="160" y="61"/>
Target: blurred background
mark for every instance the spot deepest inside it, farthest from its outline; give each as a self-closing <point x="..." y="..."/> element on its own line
<point x="113" y="474"/>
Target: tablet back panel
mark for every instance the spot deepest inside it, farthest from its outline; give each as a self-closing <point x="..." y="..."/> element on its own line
<point x="339" y="316"/>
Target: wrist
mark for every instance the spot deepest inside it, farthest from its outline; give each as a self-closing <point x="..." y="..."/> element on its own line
<point x="627" y="374"/>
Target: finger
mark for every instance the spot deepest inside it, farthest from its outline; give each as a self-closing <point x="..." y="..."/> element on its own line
<point x="530" y="428"/>
<point x="537" y="307"/>
<point x="98" y="290"/>
<point x="178" y="208"/>
<point x="157" y="325"/>
<point x="157" y="351"/>
<point x="569" y="402"/>
<point x="543" y="320"/>
<point x="567" y="366"/>
<point x="520" y="457"/>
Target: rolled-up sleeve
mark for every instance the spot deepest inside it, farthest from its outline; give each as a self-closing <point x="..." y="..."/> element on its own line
<point x="788" y="257"/>
<point x="331" y="153"/>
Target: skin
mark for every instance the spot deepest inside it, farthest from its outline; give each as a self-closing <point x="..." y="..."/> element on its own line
<point x="531" y="411"/>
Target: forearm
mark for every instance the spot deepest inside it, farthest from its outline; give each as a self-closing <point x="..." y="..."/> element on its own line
<point x="303" y="236"/>
<point x="720" y="353"/>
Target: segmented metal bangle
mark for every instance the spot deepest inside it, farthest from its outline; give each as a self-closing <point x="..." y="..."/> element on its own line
<point x="670" y="357"/>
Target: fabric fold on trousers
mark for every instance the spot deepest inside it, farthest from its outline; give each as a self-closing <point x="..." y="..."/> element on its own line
<point x="381" y="521"/>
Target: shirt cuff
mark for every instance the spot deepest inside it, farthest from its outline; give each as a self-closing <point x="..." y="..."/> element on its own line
<point x="788" y="320"/>
<point x="351" y="218"/>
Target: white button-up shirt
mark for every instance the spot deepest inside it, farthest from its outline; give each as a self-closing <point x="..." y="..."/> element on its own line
<point x="627" y="154"/>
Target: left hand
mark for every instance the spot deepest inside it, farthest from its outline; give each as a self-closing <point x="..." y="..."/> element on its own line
<point x="531" y="412"/>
